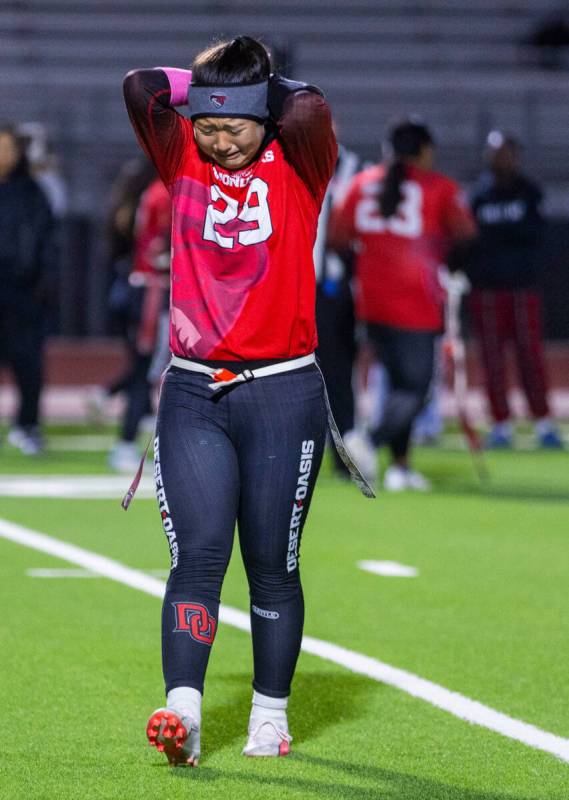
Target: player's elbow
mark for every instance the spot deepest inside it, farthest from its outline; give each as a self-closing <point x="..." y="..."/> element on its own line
<point x="132" y="84"/>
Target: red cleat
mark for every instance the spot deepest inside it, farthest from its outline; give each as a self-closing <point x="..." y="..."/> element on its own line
<point x="178" y="739"/>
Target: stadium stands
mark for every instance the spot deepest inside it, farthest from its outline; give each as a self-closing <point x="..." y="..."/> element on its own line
<point x="461" y="62"/>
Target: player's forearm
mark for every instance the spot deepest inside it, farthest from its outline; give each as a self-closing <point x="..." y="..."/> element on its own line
<point x="150" y="96"/>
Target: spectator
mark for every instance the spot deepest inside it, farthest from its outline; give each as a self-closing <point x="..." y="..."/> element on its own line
<point x="505" y="304"/>
<point x="402" y="219"/>
<point x="27" y="261"/>
<point x="44" y="166"/>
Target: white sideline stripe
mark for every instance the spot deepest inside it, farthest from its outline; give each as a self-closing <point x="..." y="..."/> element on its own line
<point x="61" y="573"/>
<point x="390" y="569"/>
<point x="42" y="572"/>
<point x="456" y="704"/>
<point x="94" y="487"/>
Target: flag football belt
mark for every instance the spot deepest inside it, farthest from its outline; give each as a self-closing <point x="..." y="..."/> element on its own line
<point x="223" y="378"/>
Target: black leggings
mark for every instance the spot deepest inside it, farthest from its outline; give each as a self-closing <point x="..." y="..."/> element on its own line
<point x="21" y="347"/>
<point x="408" y="358"/>
<point x="251" y="457"/>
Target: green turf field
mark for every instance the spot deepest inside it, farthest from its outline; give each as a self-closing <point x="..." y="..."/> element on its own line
<point x="487" y="616"/>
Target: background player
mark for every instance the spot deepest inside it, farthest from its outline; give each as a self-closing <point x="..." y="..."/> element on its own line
<point x="150" y="279"/>
<point x="505" y="303"/>
<point x="401" y="219"/>
<point x="247" y="176"/>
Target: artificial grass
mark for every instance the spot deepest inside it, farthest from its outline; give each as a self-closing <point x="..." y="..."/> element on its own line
<point x="487" y="616"/>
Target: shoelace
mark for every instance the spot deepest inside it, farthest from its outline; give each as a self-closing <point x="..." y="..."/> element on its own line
<point x="283" y="735"/>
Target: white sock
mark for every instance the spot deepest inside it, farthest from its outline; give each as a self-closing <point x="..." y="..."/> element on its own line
<point x="186" y="701"/>
<point x="265" y="707"/>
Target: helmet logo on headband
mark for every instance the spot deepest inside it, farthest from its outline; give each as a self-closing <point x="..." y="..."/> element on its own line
<point x="217" y="100"/>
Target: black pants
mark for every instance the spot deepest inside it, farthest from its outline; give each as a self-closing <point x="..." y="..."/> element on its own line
<point x="408" y="357"/>
<point x="336" y="354"/>
<point x="251" y="457"/>
<point x="138" y="401"/>
<point x="21" y="348"/>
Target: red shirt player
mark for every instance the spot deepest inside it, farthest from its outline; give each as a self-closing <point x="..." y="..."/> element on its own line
<point x="151" y="263"/>
<point x="402" y="220"/>
<point x="241" y="424"/>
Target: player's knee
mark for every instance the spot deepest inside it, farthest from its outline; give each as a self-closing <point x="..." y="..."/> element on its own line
<point x="274" y="585"/>
<point x="200" y="573"/>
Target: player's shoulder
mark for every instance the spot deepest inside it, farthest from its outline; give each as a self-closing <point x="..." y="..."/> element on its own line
<point x="371" y="174"/>
<point x="272" y="152"/>
<point x="437" y="180"/>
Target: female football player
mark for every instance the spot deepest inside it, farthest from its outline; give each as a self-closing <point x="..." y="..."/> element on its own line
<point x="403" y="220"/>
<point x="241" y="423"/>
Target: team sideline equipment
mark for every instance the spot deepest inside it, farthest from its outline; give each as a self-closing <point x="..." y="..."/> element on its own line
<point x="457" y="285"/>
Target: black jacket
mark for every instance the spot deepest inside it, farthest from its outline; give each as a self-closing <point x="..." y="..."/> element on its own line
<point x="511" y="227"/>
<point x="27" y="242"/>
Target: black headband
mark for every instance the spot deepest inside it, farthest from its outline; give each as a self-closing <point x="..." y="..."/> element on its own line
<point x="249" y="101"/>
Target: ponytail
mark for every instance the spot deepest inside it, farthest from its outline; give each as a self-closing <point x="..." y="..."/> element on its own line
<point x="390" y="195"/>
<point x="406" y="141"/>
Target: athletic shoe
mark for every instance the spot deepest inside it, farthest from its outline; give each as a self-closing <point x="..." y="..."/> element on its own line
<point x="175" y="735"/>
<point x="124" y="457"/>
<point x="28" y="441"/>
<point x="95" y="405"/>
<point x="266" y="739"/>
<point x="500" y="437"/>
<point x="398" y="479"/>
<point x="550" y="440"/>
<point x="363" y="452"/>
<point x="417" y="482"/>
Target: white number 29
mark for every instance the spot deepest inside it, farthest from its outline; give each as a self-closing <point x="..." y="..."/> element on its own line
<point x="258" y="213"/>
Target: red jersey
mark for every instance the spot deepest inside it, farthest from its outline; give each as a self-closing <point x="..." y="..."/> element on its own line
<point x="397" y="259"/>
<point x="242" y="285"/>
<point x="152" y="230"/>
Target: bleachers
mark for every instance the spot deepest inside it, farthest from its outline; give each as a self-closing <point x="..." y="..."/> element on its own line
<point x="461" y="63"/>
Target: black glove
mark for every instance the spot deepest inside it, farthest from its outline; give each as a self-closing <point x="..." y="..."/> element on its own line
<point x="280" y="88"/>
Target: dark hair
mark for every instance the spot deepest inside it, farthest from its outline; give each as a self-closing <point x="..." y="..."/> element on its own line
<point x="22" y="166"/>
<point x="407" y="140"/>
<point x="242" y="60"/>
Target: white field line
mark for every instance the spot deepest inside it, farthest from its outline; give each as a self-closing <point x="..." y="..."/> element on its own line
<point x="42" y="572"/>
<point x="91" y="487"/>
<point x="96" y="443"/>
<point x="389" y="569"/>
<point x="456" y="704"/>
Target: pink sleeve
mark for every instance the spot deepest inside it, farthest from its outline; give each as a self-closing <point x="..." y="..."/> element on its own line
<point x="179" y="82"/>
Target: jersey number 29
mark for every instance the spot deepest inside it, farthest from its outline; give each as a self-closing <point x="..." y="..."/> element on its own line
<point x="255" y="209"/>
